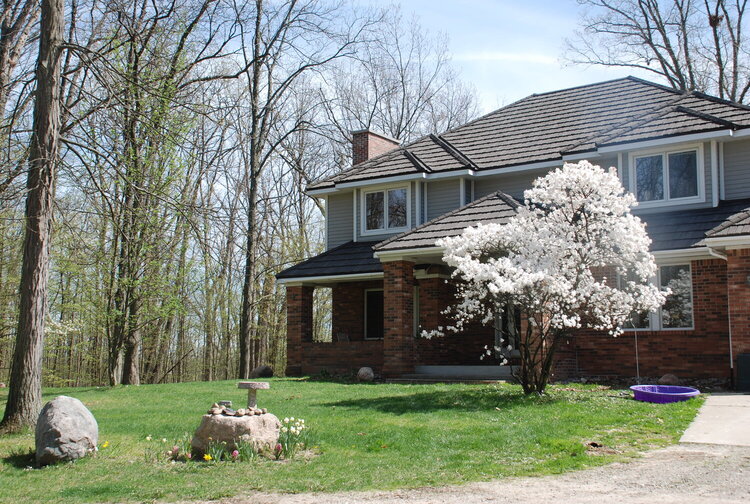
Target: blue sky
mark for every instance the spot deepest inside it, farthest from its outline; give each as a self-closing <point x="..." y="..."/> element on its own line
<point x="509" y="49"/>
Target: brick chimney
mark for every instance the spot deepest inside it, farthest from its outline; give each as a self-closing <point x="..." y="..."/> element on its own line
<point x="366" y="145"/>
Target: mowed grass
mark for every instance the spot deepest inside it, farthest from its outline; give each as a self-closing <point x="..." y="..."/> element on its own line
<point x="369" y="436"/>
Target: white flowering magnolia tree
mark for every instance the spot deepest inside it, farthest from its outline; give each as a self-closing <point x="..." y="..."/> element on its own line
<point x="574" y="256"/>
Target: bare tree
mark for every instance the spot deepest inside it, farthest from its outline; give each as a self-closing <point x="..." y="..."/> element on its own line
<point x="694" y="45"/>
<point x="25" y="394"/>
<point x="402" y="84"/>
<point x="288" y="40"/>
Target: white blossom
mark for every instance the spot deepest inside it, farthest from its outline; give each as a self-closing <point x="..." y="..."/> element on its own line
<point x="575" y="224"/>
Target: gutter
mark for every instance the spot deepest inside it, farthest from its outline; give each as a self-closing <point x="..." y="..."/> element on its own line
<point x="723" y="257"/>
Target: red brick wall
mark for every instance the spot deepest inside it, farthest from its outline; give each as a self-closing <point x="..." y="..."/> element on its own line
<point x="349" y="309"/>
<point x="366" y="145"/>
<point x="398" y="294"/>
<point x="299" y="325"/>
<point x="464" y="348"/>
<point x="738" y="276"/>
<point x="702" y="352"/>
<point x="699" y="353"/>
<point x="342" y="357"/>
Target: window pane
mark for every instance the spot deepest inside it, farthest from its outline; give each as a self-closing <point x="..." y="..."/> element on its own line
<point x="636" y="320"/>
<point x="649" y="178"/>
<point x="678" y="310"/>
<point x="374" y="210"/>
<point x="396" y="208"/>
<point x="683" y="175"/>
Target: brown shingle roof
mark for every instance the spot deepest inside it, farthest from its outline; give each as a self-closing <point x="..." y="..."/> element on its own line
<point x="547" y="126"/>
<point x="497" y="207"/>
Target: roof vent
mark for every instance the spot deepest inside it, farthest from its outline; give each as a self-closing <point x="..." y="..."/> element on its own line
<point x="366" y="145"/>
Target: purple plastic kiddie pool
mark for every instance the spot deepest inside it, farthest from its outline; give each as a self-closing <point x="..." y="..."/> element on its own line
<point x="663" y="394"/>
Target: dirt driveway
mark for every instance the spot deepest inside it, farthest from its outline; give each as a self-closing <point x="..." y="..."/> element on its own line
<point x="680" y="474"/>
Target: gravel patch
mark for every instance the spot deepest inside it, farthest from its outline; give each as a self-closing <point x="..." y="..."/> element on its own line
<point x="679" y="474"/>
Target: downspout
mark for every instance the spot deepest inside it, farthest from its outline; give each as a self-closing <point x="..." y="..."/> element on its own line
<point x="723" y="257"/>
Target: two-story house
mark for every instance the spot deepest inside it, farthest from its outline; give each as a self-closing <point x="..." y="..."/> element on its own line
<point x="686" y="156"/>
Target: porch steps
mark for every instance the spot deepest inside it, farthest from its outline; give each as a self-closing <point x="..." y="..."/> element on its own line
<point x="456" y="374"/>
<point x="416" y="379"/>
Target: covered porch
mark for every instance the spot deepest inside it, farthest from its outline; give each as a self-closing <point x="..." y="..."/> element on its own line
<point x="383" y="295"/>
<point x="376" y="322"/>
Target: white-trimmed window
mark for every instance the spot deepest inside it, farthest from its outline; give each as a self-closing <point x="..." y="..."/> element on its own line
<point x="671" y="177"/>
<point x="385" y="210"/>
<point x="677" y="311"/>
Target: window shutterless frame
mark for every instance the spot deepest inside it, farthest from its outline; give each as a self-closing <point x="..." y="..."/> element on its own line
<point x="655" y="317"/>
<point x="666" y="200"/>
<point x="385" y="229"/>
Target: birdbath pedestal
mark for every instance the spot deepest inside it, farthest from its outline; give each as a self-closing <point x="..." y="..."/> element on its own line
<point x="252" y="388"/>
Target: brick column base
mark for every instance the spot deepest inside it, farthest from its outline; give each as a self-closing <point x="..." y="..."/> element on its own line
<point x="299" y="325"/>
<point x="398" y="298"/>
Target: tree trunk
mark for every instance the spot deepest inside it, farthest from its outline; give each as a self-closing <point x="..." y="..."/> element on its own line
<point x="25" y="394"/>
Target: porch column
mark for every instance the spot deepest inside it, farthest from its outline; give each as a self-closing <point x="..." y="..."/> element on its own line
<point x="299" y="325"/>
<point x="738" y="281"/>
<point x="398" y="299"/>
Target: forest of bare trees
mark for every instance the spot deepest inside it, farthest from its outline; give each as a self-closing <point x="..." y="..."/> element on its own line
<point x="187" y="133"/>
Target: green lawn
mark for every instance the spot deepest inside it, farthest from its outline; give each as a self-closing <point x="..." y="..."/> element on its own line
<point x="369" y="436"/>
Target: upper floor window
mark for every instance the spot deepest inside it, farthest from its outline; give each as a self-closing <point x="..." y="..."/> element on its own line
<point x="668" y="176"/>
<point x="386" y="210"/>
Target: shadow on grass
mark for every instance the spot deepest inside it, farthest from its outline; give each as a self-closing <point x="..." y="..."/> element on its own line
<point x="20" y="459"/>
<point x="442" y="400"/>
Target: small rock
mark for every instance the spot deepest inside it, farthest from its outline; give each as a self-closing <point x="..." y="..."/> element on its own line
<point x="264" y="411"/>
<point x="2" y="385"/>
<point x="66" y="430"/>
<point x="365" y="374"/>
<point x="263" y="371"/>
<point x="215" y="405"/>
<point x="229" y="412"/>
<point x="216" y="411"/>
<point x="241" y="412"/>
<point x="226" y="404"/>
<point x="669" y="379"/>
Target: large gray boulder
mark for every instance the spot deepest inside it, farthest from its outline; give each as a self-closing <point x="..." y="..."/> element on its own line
<point x="261" y="430"/>
<point x="66" y="430"/>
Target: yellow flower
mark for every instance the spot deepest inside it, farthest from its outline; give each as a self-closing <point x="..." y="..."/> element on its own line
<point x="207" y="457"/>
<point x="106" y="444"/>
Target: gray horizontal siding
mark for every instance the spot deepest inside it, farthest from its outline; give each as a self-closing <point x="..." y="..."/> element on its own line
<point x="339" y="219"/>
<point x="442" y="197"/>
<point x="513" y="184"/>
<point x="737" y="169"/>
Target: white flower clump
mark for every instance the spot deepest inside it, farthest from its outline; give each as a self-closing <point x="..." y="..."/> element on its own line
<point x="293" y="426"/>
<point x="559" y="257"/>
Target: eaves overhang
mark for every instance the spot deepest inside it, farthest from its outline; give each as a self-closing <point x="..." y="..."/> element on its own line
<point x="600" y="151"/>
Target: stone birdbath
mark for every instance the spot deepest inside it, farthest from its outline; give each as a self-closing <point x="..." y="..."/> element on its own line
<point x="222" y="424"/>
<point x="252" y="389"/>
